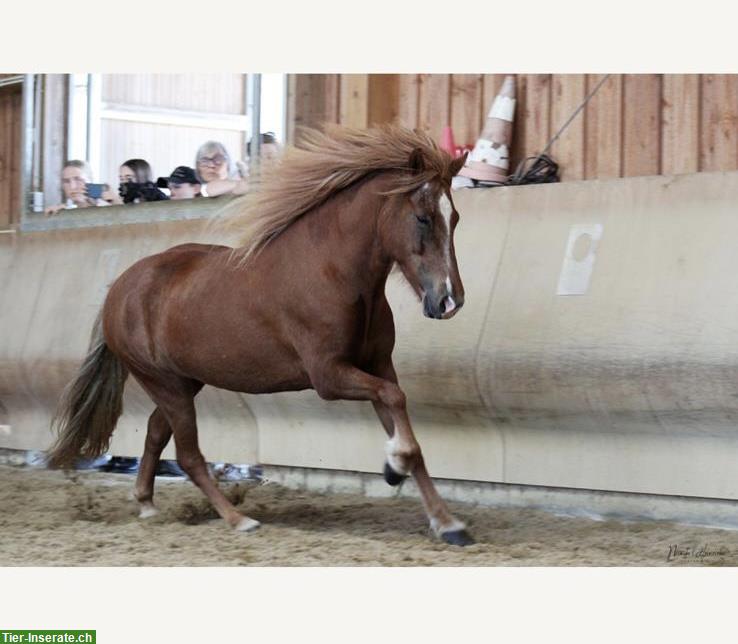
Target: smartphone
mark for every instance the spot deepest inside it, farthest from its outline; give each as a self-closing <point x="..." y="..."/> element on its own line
<point x="95" y="190"/>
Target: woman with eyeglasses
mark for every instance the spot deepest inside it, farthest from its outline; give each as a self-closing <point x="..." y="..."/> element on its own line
<point x="216" y="171"/>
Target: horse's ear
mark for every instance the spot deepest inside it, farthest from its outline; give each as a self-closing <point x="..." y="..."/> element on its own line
<point x="457" y="164"/>
<point x="417" y="161"/>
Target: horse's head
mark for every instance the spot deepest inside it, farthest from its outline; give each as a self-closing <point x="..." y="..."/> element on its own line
<point x="421" y="241"/>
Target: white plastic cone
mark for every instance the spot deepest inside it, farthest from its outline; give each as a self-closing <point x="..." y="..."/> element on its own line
<point x="490" y="159"/>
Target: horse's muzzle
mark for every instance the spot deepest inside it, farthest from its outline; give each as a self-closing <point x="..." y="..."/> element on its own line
<point x="441" y="307"/>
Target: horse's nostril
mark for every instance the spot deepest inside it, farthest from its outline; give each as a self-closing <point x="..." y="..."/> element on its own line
<point x="447" y="304"/>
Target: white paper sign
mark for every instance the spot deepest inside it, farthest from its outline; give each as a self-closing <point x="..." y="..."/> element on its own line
<point x="579" y="259"/>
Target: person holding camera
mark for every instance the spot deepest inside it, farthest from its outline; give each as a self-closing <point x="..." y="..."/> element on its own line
<point x="78" y="189"/>
<point x="137" y="184"/>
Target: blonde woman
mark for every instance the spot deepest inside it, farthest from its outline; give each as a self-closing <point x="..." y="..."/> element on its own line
<point x="75" y="177"/>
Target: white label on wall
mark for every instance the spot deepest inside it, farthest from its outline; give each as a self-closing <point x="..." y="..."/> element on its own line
<point x="579" y="260"/>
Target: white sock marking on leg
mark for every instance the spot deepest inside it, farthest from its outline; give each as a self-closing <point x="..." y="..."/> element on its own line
<point x="395" y="462"/>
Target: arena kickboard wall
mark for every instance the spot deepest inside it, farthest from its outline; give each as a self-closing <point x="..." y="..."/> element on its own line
<point x="630" y="385"/>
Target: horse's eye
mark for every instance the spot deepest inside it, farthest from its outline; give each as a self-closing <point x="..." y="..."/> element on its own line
<point x="423" y="219"/>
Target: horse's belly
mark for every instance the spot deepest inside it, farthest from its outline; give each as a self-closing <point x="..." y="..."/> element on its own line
<point x="254" y="377"/>
<point x="250" y="362"/>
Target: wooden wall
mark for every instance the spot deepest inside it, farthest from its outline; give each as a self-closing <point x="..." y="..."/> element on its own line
<point x="10" y="153"/>
<point x="635" y="125"/>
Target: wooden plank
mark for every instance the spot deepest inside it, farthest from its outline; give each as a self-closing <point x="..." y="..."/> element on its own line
<point x="53" y="135"/>
<point x="719" y="123"/>
<point x="532" y="124"/>
<point x="11" y="105"/>
<point x="6" y="157"/>
<point x="680" y="117"/>
<point x="16" y="130"/>
<point x="641" y="124"/>
<point x="331" y="98"/>
<point x="302" y="114"/>
<point x="435" y="103"/>
<point x="316" y="100"/>
<point x="408" y="109"/>
<point x="354" y="100"/>
<point x="291" y="109"/>
<point x="538" y="112"/>
<point x="518" y="149"/>
<point x="567" y="94"/>
<point x="603" y="123"/>
<point x="466" y="107"/>
<point x="384" y="98"/>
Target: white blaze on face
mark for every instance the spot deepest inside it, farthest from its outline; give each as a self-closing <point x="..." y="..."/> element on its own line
<point x="444" y="205"/>
<point x="450" y="303"/>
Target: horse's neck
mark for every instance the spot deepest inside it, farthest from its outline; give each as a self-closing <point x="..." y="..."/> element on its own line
<point x="343" y="234"/>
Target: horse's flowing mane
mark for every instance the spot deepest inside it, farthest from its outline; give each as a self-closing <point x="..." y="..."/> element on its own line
<point x="324" y="164"/>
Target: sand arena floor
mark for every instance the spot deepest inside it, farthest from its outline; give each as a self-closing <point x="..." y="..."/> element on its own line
<point x="89" y="519"/>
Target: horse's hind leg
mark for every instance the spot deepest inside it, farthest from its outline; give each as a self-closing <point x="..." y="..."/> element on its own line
<point x="191" y="460"/>
<point x="176" y="402"/>
<point x="157" y="437"/>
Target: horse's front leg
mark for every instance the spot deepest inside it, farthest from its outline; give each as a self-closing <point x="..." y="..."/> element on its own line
<point x="344" y="381"/>
<point x="442" y="522"/>
<point x="403" y="452"/>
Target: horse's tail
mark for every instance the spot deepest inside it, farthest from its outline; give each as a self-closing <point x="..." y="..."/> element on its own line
<point x="90" y="405"/>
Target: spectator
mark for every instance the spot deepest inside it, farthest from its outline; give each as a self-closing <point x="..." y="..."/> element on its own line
<point x="137" y="182"/>
<point x="183" y="184"/>
<point x="76" y="175"/>
<point x="269" y="150"/>
<point x="216" y="171"/>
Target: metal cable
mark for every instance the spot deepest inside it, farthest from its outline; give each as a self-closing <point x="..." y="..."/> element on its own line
<point x="573" y="116"/>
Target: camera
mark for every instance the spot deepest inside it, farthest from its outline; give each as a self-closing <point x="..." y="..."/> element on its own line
<point x="147" y="191"/>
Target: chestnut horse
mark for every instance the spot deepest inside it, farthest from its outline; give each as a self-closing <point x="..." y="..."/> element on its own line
<point x="300" y="305"/>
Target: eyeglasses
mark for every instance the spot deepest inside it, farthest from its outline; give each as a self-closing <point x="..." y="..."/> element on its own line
<point x="218" y="159"/>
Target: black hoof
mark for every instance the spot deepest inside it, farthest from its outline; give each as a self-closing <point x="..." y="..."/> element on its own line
<point x="457" y="538"/>
<point x="392" y="477"/>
